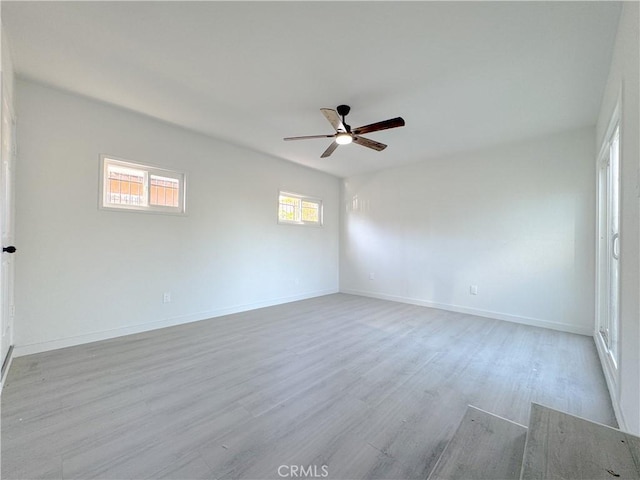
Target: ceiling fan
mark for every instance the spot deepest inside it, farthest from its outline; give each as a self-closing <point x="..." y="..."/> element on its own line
<point x="345" y="135"/>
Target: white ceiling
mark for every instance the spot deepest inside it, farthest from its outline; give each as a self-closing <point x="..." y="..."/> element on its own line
<point x="464" y="75"/>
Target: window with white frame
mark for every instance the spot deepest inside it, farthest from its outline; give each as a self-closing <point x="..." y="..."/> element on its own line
<point x="299" y="210"/>
<point x="136" y="187"/>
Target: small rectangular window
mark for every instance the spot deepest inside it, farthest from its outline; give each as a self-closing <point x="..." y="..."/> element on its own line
<point x="132" y="186"/>
<point x="299" y="210"/>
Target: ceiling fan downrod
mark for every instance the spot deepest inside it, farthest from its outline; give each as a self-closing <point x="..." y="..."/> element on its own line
<point x="343" y="111"/>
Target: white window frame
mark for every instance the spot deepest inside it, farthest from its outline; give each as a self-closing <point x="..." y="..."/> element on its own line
<point x="148" y="170"/>
<point x="302" y="198"/>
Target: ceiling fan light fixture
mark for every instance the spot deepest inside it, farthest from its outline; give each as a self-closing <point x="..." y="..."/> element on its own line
<point x="343" y="138"/>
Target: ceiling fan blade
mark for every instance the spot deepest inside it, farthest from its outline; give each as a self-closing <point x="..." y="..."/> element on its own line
<point x="334" y="119"/>
<point x="329" y="150"/>
<point x="306" y="137"/>
<point x="384" y="125"/>
<point x="365" y="142"/>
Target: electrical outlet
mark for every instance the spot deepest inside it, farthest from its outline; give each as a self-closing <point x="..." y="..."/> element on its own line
<point x="473" y="289"/>
<point x="166" y="298"/>
<point x="372" y="275"/>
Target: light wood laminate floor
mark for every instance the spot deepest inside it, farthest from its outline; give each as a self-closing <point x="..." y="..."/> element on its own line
<point x="357" y="387"/>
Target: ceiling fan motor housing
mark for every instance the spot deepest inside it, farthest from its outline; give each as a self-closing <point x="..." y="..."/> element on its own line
<point x="343" y="110"/>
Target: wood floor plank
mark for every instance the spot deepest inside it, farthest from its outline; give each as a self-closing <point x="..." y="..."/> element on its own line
<point x="560" y="445"/>
<point x="484" y="446"/>
<point x="369" y="388"/>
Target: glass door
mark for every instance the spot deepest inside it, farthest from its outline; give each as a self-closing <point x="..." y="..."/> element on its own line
<point x="609" y="245"/>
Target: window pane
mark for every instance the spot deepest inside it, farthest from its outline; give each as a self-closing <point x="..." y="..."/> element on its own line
<point x="125" y="186"/>
<point x="310" y="212"/>
<point x="167" y="191"/>
<point x="614" y="254"/>
<point x="289" y="209"/>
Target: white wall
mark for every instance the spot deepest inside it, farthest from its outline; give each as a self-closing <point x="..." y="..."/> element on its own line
<point x="85" y="274"/>
<point x="7" y="63"/>
<point x="517" y="221"/>
<point x="623" y="76"/>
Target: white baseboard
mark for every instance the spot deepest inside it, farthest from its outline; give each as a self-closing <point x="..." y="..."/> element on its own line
<point x="28" y="349"/>
<point x="534" y="322"/>
<point x="22" y="350"/>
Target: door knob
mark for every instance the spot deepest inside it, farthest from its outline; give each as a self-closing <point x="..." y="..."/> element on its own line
<point x="10" y="249"/>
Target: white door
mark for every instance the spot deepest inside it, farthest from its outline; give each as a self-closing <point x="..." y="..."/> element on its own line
<point x="609" y="245"/>
<point x="7" y="156"/>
